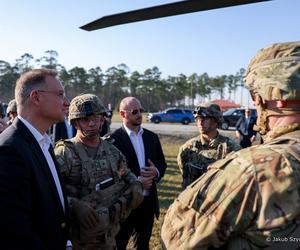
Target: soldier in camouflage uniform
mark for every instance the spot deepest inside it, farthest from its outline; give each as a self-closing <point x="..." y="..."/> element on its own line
<point x="3" y="123"/>
<point x="250" y="199"/>
<point x="11" y="111"/>
<point x="101" y="189"/>
<point x="197" y="153"/>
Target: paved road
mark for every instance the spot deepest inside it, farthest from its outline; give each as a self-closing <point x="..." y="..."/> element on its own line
<point x="170" y="128"/>
<point x="165" y="128"/>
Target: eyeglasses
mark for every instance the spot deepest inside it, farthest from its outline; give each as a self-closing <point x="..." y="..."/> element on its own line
<point x="135" y="111"/>
<point x="59" y="93"/>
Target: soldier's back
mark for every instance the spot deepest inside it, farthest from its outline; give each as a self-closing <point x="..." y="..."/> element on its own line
<point x="245" y="201"/>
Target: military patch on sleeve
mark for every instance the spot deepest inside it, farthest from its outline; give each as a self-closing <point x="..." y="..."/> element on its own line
<point x="108" y="138"/>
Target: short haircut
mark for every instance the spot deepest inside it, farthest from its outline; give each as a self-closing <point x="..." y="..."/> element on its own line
<point x="29" y="81"/>
<point x="126" y="101"/>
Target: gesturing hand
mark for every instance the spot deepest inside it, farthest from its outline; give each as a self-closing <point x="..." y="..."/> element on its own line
<point x="151" y="170"/>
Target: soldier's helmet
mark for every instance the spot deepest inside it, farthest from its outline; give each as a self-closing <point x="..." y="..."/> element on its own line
<point x="12" y="106"/>
<point x="209" y="110"/>
<point x="274" y="73"/>
<point x="85" y="105"/>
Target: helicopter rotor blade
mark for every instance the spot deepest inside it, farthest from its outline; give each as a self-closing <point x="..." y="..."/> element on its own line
<point x="172" y="9"/>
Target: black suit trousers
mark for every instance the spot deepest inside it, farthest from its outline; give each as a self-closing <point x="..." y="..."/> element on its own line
<point x="139" y="224"/>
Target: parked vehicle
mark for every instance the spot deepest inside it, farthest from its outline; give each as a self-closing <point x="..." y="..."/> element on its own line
<point x="184" y="116"/>
<point x="231" y="116"/>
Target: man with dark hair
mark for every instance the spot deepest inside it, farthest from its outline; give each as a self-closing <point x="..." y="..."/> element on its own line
<point x="33" y="207"/>
<point x="209" y="146"/>
<point x="244" y="129"/>
<point x="62" y="130"/>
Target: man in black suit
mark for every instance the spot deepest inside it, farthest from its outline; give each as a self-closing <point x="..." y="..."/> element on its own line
<point x="33" y="207"/>
<point x="146" y="160"/>
<point x="244" y="129"/>
<point x="63" y="130"/>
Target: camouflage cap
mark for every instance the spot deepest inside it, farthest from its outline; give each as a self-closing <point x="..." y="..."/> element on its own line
<point x="274" y="73"/>
<point x="85" y="105"/>
<point x="209" y="110"/>
<point x="12" y="106"/>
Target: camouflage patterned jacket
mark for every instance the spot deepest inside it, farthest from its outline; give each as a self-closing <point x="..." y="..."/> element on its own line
<point x="102" y="181"/>
<point x="196" y="154"/>
<point x="248" y="200"/>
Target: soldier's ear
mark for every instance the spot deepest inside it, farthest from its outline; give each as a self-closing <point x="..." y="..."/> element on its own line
<point x="75" y="124"/>
<point x="281" y="104"/>
<point x="257" y="100"/>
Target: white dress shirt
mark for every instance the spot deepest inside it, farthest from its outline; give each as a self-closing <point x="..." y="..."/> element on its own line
<point x="138" y="145"/>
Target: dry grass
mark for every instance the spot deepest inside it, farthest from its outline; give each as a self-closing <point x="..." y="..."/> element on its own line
<point x="170" y="185"/>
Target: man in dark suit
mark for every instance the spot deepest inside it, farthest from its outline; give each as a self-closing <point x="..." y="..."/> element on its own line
<point x="244" y="129"/>
<point x="33" y="207"/>
<point x="146" y="160"/>
<point x="63" y="130"/>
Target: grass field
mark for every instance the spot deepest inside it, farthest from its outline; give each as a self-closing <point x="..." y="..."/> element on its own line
<point x="170" y="186"/>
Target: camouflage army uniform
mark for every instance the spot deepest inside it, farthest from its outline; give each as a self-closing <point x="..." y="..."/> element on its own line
<point x="196" y="154"/>
<point x="11" y="109"/>
<point x="250" y="199"/>
<point x="224" y="210"/>
<point x="100" y="178"/>
<point x="12" y="106"/>
<point x="81" y="177"/>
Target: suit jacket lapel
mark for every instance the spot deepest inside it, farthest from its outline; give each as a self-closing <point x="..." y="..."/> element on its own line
<point x="147" y="146"/>
<point x="59" y="177"/>
<point x="38" y="153"/>
<point x="130" y="149"/>
<point x="46" y="169"/>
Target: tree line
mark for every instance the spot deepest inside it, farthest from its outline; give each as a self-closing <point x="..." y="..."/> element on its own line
<point x="154" y="91"/>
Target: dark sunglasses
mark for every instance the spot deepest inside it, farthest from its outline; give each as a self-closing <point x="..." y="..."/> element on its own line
<point x="134" y="111"/>
<point x="200" y="112"/>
